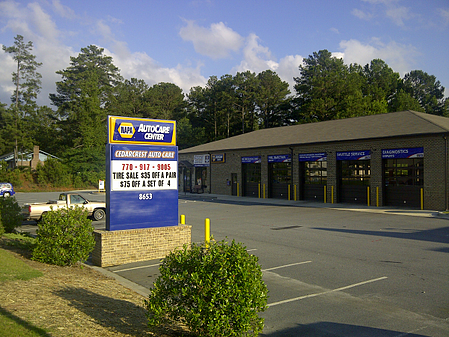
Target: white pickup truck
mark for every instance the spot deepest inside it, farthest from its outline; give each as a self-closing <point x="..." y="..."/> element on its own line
<point x="35" y="211"/>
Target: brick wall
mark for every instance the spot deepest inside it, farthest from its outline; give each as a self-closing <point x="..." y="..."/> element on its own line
<point x="125" y="246"/>
<point x="436" y="182"/>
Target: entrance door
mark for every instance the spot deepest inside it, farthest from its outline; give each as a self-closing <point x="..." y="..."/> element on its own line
<point x="234" y="183"/>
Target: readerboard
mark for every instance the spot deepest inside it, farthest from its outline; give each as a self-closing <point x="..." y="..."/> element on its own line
<point x="142" y="182"/>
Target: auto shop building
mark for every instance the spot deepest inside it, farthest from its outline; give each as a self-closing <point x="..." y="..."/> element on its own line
<point x="397" y="159"/>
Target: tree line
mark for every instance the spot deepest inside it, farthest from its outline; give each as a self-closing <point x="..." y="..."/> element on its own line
<point x="91" y="88"/>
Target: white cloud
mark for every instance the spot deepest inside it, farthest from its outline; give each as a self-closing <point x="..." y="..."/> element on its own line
<point x="361" y="14"/>
<point x="140" y="65"/>
<point x="37" y="26"/>
<point x="216" y="42"/>
<point x="41" y="22"/>
<point x="399" y="14"/>
<point x="335" y="30"/>
<point x="257" y="58"/>
<point x="444" y="13"/>
<point x="63" y="11"/>
<point x="399" y="57"/>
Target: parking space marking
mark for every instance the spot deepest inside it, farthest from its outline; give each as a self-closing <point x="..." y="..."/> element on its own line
<point x="327" y="292"/>
<point x="286" y="265"/>
<point x="141" y="267"/>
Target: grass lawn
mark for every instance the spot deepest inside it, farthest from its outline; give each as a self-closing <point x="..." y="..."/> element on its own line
<point x="12" y="269"/>
<point x="38" y="299"/>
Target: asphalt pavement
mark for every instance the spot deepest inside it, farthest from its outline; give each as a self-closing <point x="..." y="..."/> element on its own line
<point x="331" y="269"/>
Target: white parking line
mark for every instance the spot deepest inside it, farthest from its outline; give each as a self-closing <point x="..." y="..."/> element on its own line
<point x="286" y="265"/>
<point x="141" y="267"/>
<point x="327" y="292"/>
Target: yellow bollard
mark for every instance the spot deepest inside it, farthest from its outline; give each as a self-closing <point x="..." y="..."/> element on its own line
<point x="258" y="189"/>
<point x="264" y="191"/>
<point x="183" y="219"/>
<point x="332" y="194"/>
<point x="289" y="192"/>
<point x="207" y="232"/>
<point x="294" y="191"/>
<point x="367" y="193"/>
<point x="325" y="193"/>
<point x="422" y="198"/>
<point x="238" y="190"/>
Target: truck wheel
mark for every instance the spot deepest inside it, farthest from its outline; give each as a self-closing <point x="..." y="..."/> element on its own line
<point x="6" y="194"/>
<point x="42" y="215"/>
<point x="99" y="214"/>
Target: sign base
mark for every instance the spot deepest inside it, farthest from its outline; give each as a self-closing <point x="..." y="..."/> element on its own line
<point x="125" y="246"/>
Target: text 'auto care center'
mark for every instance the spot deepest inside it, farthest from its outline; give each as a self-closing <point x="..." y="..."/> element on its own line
<point x="396" y="159"/>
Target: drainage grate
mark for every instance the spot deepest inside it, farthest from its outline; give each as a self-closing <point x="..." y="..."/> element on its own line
<point x="282" y="228"/>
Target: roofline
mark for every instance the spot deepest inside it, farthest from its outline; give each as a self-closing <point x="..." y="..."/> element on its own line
<point x="317" y="143"/>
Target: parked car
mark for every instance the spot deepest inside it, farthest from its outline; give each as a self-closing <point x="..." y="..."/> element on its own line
<point x="6" y="190"/>
<point x="35" y="211"/>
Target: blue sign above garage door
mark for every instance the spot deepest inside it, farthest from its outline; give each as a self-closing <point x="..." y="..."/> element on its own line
<point x="415" y="152"/>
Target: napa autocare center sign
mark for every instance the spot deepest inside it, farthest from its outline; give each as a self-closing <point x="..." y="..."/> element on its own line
<point x="142" y="173"/>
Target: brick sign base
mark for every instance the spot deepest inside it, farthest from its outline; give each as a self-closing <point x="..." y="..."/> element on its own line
<point x="125" y="246"/>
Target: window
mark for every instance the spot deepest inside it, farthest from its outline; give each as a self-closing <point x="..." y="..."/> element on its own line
<point x="355" y="172"/>
<point x="251" y="173"/>
<point x="315" y="172"/>
<point x="76" y="199"/>
<point x="280" y="173"/>
<point x="399" y="172"/>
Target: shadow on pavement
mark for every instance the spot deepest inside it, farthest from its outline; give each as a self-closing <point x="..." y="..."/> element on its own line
<point x="329" y="329"/>
<point x="440" y="235"/>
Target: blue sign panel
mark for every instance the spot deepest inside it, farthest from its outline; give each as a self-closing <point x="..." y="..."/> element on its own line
<point x="280" y="158"/>
<point x="251" y="160"/>
<point x="218" y="158"/>
<point x="125" y="130"/>
<point x="322" y="156"/>
<point x="415" y="152"/>
<point x="142" y="186"/>
<point x="354" y="155"/>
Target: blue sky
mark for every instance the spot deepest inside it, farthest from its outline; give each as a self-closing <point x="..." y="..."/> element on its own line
<point x="186" y="42"/>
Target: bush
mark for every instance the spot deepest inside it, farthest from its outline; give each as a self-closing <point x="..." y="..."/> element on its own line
<point x="64" y="237"/>
<point x="215" y="291"/>
<point x="10" y="214"/>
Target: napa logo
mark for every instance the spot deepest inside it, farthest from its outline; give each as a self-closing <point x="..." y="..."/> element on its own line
<point x="126" y="130"/>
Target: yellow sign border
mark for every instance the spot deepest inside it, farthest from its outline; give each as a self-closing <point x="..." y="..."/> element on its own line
<point x="112" y="123"/>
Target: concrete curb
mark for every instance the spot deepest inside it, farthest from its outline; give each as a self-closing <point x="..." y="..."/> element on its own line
<point x="123" y="281"/>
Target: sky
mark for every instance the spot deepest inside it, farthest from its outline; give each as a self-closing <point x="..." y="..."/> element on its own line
<point x="186" y="41"/>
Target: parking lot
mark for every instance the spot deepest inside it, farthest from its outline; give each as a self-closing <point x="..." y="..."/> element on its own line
<point x="332" y="272"/>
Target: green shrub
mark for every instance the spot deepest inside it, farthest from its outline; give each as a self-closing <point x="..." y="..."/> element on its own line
<point x="64" y="237"/>
<point x="215" y="291"/>
<point x="10" y="214"/>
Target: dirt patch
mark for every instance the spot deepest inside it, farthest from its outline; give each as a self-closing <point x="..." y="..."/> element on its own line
<point x="77" y="301"/>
